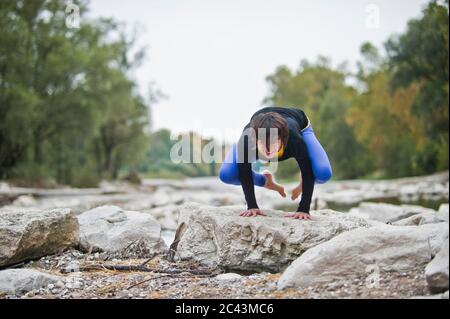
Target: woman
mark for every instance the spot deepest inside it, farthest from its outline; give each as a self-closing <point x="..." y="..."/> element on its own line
<point x="294" y="139"/>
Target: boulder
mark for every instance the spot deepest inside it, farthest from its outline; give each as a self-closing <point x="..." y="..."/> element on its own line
<point x="111" y="229"/>
<point x="28" y="234"/>
<point x="422" y="219"/>
<point x="443" y="209"/>
<point x="21" y="281"/>
<point x="219" y="237"/>
<point x="436" y="271"/>
<point x="358" y="252"/>
<point x="387" y="213"/>
<point x="426" y="217"/>
<point x="25" y="201"/>
<point x="167" y="216"/>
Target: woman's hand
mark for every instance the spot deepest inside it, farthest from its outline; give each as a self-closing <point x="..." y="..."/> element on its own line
<point x="300" y="215"/>
<point x="252" y="213"/>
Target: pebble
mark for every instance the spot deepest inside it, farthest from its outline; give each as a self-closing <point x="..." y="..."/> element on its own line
<point x="228" y="277"/>
<point x="73" y="266"/>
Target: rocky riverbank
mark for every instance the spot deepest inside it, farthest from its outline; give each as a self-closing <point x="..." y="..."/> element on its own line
<point x="119" y="241"/>
<point x="120" y="284"/>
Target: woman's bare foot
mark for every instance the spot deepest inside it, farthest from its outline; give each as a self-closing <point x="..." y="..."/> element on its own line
<point x="272" y="185"/>
<point x="296" y="192"/>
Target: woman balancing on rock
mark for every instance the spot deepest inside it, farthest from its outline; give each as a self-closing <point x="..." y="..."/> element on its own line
<point x="277" y="134"/>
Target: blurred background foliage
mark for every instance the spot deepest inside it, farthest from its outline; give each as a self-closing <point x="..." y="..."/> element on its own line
<point x="71" y="113"/>
<point x="391" y="118"/>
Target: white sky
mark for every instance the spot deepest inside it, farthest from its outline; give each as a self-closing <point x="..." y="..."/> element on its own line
<point x="211" y="57"/>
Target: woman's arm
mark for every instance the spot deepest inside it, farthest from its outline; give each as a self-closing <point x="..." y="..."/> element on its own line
<point x="245" y="173"/>
<point x="301" y="155"/>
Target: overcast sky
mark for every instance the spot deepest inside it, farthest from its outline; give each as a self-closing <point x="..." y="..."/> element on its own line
<point x="211" y="57"/>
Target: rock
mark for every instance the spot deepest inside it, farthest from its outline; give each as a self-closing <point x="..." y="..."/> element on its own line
<point x="21" y="281"/>
<point x="59" y="284"/>
<point x="27" y="234"/>
<point x="422" y="219"/>
<point x="358" y="252"/>
<point x="110" y="229"/>
<point x="426" y="217"/>
<point x="436" y="271"/>
<point x="167" y="216"/>
<point x="162" y="197"/>
<point x="443" y="209"/>
<point x="228" y="277"/>
<point x="74" y="283"/>
<point x="438" y="296"/>
<point x="349" y="196"/>
<point x="73" y="266"/>
<point x="219" y="237"/>
<point x="387" y="213"/>
<point x="25" y="200"/>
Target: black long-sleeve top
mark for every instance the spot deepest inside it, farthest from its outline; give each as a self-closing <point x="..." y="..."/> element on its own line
<point x="296" y="148"/>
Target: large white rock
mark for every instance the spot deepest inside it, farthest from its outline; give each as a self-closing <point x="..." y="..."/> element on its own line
<point x="354" y="253"/>
<point x="21" y="281"/>
<point x="436" y="271"/>
<point x="25" y="201"/>
<point x="27" y="234"/>
<point x="443" y="209"/>
<point x="218" y="236"/>
<point x="111" y="229"/>
<point x="387" y="213"/>
<point x="422" y="219"/>
<point x="427" y="217"/>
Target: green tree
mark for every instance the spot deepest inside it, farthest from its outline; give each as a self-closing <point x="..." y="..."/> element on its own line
<point x="322" y="93"/>
<point x="421" y="56"/>
<point x="61" y="89"/>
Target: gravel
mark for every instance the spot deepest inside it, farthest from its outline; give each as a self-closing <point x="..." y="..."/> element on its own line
<point x="141" y="285"/>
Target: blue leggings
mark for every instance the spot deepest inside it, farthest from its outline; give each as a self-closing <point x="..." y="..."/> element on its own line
<point x="321" y="166"/>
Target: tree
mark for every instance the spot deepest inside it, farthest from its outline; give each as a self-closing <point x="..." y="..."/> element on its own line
<point x="421" y="57"/>
<point x="322" y="93"/>
<point x="61" y="89"/>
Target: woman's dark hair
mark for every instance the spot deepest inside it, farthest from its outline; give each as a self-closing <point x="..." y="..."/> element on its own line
<point x="267" y="121"/>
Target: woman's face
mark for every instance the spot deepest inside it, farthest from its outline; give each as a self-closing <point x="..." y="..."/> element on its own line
<point x="271" y="150"/>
